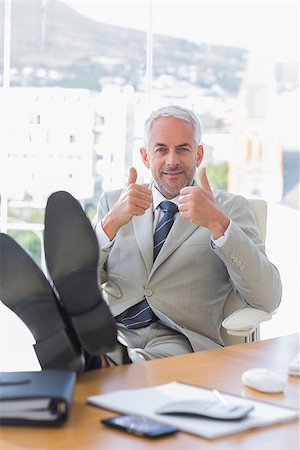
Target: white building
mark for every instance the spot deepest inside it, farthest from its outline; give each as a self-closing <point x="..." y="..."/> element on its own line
<point x="47" y="136"/>
<point x="114" y="135"/>
<point x="256" y="166"/>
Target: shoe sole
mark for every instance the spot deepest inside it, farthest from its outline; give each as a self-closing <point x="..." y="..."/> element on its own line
<point x="25" y="290"/>
<point x="72" y="252"/>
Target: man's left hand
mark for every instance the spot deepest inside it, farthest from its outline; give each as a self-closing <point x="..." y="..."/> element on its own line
<point x="198" y="205"/>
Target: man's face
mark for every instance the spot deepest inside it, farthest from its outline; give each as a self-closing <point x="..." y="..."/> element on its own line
<point x="172" y="155"/>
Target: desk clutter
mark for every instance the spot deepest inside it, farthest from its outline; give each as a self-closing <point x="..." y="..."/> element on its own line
<point x="36" y="398"/>
<point x="154" y="402"/>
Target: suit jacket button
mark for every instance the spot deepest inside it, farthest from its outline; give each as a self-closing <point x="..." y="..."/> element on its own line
<point x="148" y="292"/>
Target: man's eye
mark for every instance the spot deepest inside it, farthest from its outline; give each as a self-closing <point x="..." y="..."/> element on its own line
<point x="161" y="149"/>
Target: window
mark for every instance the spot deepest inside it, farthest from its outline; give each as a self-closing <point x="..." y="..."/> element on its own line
<point x="83" y="75"/>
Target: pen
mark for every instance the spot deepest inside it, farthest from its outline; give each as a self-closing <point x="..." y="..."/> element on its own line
<point x="220" y="397"/>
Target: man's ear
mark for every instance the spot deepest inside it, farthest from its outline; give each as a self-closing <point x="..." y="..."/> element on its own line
<point x="200" y="154"/>
<point x="144" y="156"/>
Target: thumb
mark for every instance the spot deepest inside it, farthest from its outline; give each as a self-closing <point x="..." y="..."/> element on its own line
<point x="132" y="176"/>
<point x="203" y="179"/>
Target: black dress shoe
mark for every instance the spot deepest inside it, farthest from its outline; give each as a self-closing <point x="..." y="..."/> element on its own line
<point x="72" y="251"/>
<point x="25" y="290"/>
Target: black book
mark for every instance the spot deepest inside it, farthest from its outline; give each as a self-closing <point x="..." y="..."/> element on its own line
<point x="36" y="398"/>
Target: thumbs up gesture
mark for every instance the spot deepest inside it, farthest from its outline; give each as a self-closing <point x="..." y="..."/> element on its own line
<point x="198" y="205"/>
<point x="134" y="200"/>
<point x="204" y="181"/>
<point x="132" y="176"/>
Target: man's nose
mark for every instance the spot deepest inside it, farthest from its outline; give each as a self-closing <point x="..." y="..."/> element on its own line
<point x="172" y="158"/>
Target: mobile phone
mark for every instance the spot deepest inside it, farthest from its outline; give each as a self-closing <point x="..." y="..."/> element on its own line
<point x="140" y="426"/>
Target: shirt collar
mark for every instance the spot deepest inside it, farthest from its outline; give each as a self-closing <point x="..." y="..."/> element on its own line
<point x="158" y="198"/>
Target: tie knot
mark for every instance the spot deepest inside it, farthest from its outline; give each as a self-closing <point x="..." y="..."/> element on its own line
<point x="169" y="207"/>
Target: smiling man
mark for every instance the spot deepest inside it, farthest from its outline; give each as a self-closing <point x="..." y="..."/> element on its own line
<point x="164" y="248"/>
<point x="174" y="154"/>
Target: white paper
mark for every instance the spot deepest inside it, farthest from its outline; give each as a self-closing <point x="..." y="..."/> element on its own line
<point x="29" y="409"/>
<point x="145" y="401"/>
<point x="8" y="406"/>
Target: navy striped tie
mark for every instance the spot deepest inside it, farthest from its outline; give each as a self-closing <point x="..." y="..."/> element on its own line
<point x="141" y="315"/>
<point x="164" y="226"/>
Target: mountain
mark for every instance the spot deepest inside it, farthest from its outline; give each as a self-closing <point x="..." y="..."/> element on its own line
<point x="54" y="45"/>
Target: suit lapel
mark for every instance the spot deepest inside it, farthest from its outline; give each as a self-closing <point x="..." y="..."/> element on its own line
<point x="143" y="230"/>
<point x="180" y="232"/>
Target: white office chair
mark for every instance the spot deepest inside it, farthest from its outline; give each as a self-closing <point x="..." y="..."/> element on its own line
<point x="241" y="323"/>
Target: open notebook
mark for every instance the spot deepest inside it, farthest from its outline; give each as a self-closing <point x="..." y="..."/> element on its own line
<point x="148" y="400"/>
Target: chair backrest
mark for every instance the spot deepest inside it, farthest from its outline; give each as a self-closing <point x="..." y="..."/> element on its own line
<point x="233" y="301"/>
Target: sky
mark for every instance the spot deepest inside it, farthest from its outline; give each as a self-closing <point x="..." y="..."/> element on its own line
<point x="268" y="27"/>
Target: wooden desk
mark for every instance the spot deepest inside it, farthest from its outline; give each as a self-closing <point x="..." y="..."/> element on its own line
<point x="219" y="369"/>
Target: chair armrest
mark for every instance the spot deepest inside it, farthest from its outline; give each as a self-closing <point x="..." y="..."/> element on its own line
<point x="245" y="320"/>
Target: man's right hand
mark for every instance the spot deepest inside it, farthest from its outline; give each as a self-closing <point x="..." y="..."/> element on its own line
<point x="134" y="200"/>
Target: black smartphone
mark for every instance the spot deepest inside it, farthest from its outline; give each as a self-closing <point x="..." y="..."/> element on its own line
<point x="140" y="425"/>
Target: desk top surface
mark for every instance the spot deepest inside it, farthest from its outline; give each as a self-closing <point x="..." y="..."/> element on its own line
<point x="220" y="369"/>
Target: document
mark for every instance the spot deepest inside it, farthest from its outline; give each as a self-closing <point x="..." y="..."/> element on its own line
<point x="147" y="401"/>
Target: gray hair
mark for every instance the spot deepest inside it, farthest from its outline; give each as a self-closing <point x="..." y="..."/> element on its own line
<point x="173" y="111"/>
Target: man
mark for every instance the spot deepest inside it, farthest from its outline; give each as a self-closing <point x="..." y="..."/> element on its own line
<point x="167" y="297"/>
<point x="165" y="284"/>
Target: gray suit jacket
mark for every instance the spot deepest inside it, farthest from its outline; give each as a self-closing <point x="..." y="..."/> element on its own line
<point x="190" y="280"/>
